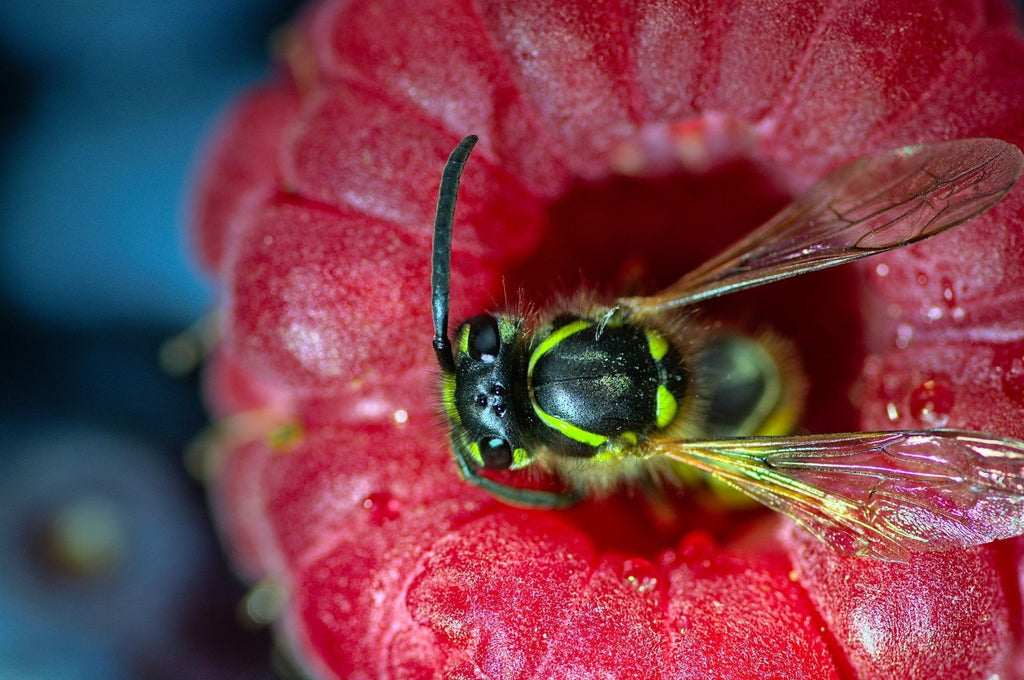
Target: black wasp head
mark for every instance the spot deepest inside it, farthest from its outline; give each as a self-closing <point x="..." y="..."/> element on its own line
<point x="487" y="391"/>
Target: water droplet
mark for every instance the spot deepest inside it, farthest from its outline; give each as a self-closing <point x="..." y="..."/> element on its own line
<point x="948" y="294"/>
<point x="401" y="416"/>
<point x="892" y="412"/>
<point x="383" y="507"/>
<point x="931" y="402"/>
<point x="882" y="270"/>
<point x="933" y="313"/>
<point x="640" y="574"/>
<point x="922" y="279"/>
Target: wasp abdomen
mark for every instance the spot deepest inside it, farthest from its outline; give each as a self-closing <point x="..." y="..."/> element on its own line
<point x="745" y="391"/>
<point x="591" y="383"/>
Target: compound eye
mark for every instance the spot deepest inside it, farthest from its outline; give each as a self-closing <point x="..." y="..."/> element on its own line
<point x="496" y="453"/>
<point x="484" y="339"/>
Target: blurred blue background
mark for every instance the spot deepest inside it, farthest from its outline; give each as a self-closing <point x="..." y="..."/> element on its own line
<point x="108" y="565"/>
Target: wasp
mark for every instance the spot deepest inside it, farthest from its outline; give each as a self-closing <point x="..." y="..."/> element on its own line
<point x="601" y="394"/>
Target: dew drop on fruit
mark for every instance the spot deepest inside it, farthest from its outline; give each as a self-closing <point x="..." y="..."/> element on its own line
<point x="640" y="574"/>
<point x="931" y="402"/>
<point x="383" y="507"/>
<point x="948" y="294"/>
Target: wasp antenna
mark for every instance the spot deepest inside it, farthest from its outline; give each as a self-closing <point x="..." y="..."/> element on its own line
<point x="442" y="250"/>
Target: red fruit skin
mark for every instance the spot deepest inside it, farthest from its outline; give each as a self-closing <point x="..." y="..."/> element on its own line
<point x="314" y="211"/>
<point x="299" y="312"/>
<point x="725" y="611"/>
<point x="941" y="614"/>
<point x="236" y="179"/>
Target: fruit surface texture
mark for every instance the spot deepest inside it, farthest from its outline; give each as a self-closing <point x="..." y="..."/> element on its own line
<point x="621" y="144"/>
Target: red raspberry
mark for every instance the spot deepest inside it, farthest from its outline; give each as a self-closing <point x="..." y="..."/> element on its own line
<point x="627" y="142"/>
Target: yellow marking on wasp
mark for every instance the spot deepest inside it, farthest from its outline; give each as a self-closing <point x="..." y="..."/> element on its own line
<point x="474" y="450"/>
<point x="779" y="422"/>
<point x="777" y="416"/>
<point x="657" y="345"/>
<point x="610" y="453"/>
<point x="507" y="327"/>
<point x="570" y="430"/>
<point x="520" y="459"/>
<point x="666" y="407"/>
<point x="558" y="336"/>
<point x="462" y="342"/>
<point x="448" y="398"/>
<point x="779" y="408"/>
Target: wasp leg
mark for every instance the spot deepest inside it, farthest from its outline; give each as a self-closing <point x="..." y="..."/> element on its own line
<point x="528" y="498"/>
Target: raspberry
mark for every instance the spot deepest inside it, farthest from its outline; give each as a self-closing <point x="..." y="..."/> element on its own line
<point x="621" y="144"/>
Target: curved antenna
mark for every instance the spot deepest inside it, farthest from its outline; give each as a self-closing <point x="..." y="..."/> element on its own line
<point x="441" y="259"/>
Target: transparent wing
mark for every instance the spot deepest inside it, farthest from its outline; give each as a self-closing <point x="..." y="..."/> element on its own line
<point x="878" y="494"/>
<point x="868" y="206"/>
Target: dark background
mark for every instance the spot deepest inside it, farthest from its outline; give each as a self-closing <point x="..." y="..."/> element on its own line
<point x="104" y="106"/>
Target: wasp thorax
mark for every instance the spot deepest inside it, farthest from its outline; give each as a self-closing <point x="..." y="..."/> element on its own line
<point x="592" y="382"/>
